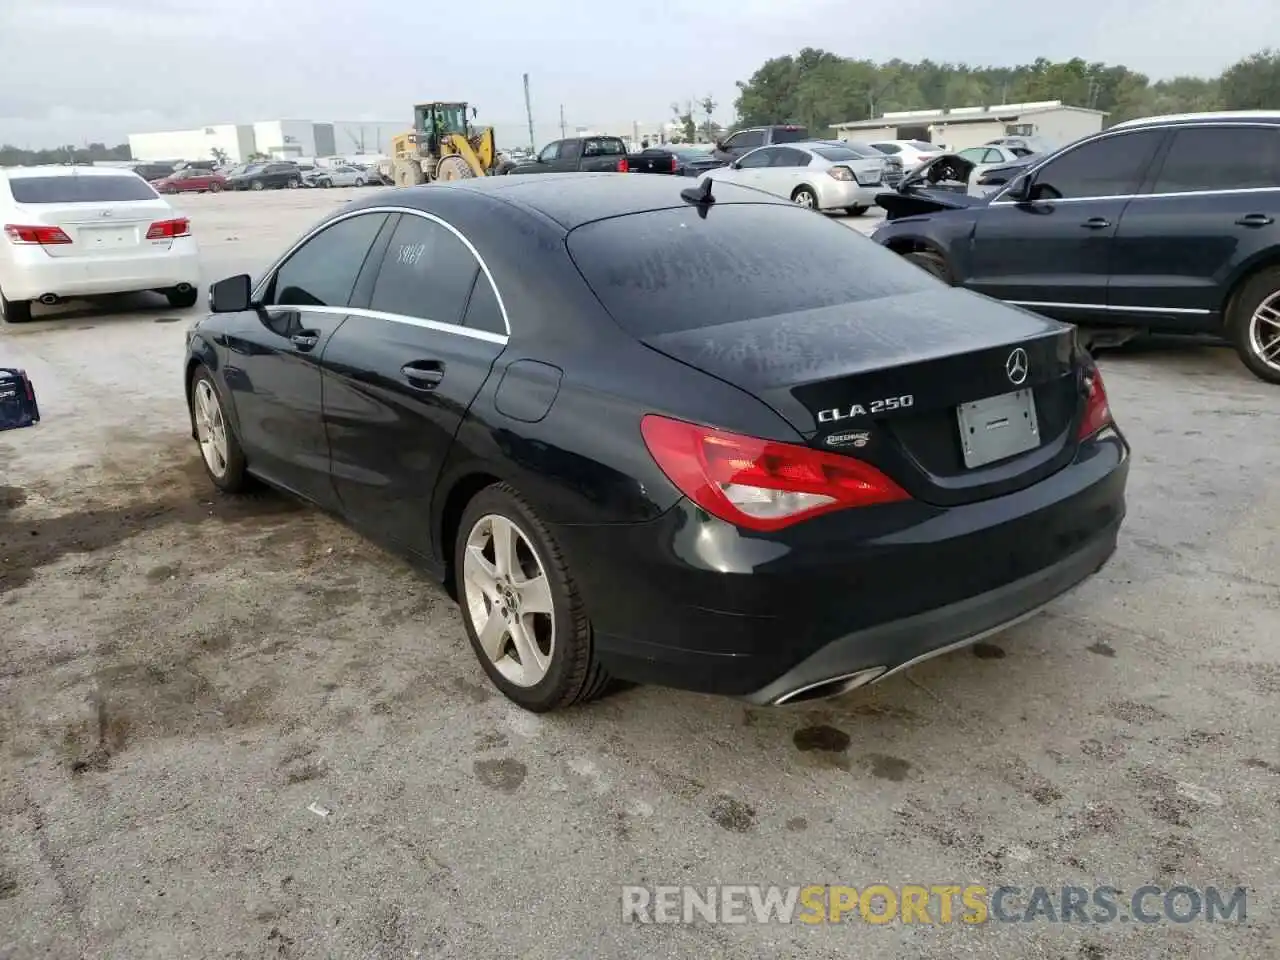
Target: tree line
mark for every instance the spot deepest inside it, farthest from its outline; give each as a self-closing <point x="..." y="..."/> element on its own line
<point x="11" y="156"/>
<point x="818" y="88"/>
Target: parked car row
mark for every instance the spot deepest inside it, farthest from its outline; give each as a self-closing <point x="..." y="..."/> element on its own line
<point x="1167" y="225"/>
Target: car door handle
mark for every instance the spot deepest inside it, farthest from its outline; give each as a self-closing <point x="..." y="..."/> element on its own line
<point x="423" y="374"/>
<point x="1255" y="220"/>
<point x="1096" y="223"/>
<point x="305" y="339"/>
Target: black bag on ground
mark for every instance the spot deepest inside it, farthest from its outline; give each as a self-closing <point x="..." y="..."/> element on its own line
<point x="18" y="407"/>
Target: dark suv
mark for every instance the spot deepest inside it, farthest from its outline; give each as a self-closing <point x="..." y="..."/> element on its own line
<point x="1167" y="224"/>
<point x="744" y="141"/>
<point x="260" y="176"/>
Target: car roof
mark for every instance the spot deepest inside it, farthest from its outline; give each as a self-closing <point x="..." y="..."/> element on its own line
<point x="60" y="170"/>
<point x="1220" y="116"/>
<point x="574" y="199"/>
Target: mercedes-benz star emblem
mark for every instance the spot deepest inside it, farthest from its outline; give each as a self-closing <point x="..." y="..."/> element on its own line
<point x="1016" y="366"/>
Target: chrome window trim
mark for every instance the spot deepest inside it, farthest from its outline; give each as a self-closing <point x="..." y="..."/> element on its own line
<point x="1140" y="196"/>
<point x="429" y="324"/>
<point x="1121" y="129"/>
<point x="1190" y="311"/>
<point x="436" y="325"/>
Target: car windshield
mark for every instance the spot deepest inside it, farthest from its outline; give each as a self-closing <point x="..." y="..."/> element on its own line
<point x="838" y="153"/>
<point x="669" y="270"/>
<point x="864" y="149"/>
<point x="74" y="189"/>
<point x="254" y="168"/>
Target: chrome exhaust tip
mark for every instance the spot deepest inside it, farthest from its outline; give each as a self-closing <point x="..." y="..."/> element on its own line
<point x="49" y="299"/>
<point x="833" y="687"/>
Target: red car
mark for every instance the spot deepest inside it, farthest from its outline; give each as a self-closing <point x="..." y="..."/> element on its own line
<point x="190" y="181"/>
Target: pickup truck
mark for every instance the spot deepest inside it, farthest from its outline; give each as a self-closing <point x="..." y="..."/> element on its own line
<point x="673" y="159"/>
<point x="578" y="154"/>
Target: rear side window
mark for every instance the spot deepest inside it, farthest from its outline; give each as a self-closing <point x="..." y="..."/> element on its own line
<point x="669" y="270"/>
<point x="1221" y="158"/>
<point x="426" y="273"/>
<point x="323" y="271"/>
<point x="483" y="312"/>
<point x="1110" y="167"/>
<point x="72" y="189"/>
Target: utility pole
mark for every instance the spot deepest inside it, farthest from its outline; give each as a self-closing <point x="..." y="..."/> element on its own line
<point x="562" y="130"/>
<point x="528" y="113"/>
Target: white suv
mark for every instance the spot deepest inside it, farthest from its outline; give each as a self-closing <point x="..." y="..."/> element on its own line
<point x="72" y="232"/>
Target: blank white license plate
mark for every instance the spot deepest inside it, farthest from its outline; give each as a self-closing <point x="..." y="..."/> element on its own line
<point x="998" y="427"/>
<point x="108" y="238"/>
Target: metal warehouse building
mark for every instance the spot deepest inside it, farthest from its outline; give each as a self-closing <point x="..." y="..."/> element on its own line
<point x="962" y="127"/>
<point x="279" y="139"/>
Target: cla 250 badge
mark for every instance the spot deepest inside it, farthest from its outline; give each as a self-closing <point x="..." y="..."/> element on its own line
<point x="836" y="414"/>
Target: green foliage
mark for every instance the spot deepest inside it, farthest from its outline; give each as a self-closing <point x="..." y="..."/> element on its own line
<point x="11" y="156"/>
<point x="819" y="88"/>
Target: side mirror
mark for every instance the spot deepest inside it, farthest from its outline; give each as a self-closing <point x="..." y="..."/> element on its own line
<point x="1019" y="187"/>
<point x="232" y="295"/>
<point x="719" y="145"/>
<point x="735" y="165"/>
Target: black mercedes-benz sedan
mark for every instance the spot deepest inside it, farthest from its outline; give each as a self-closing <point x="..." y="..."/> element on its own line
<point x="714" y="442"/>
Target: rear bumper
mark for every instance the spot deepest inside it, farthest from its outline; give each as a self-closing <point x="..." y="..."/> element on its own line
<point x="687" y="601"/>
<point x="839" y="194"/>
<point x="35" y="273"/>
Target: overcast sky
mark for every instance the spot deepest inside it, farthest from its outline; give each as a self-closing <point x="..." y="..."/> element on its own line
<point x="81" y="70"/>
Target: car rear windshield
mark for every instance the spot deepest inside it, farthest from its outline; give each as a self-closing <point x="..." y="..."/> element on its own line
<point x="838" y="153"/>
<point x="789" y="134"/>
<point x="922" y="145"/>
<point x="669" y="270"/>
<point x="72" y="189"/>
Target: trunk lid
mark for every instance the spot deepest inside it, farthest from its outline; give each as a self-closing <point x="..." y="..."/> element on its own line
<point x="97" y="228"/>
<point x="913" y="203"/>
<point x="885" y="381"/>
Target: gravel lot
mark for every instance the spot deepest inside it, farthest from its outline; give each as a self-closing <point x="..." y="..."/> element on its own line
<point x="183" y="675"/>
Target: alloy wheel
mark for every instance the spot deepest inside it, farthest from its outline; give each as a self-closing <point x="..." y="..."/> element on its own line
<point x="1264" y="331"/>
<point x="806" y="199"/>
<point x="211" y="428"/>
<point x="508" y="599"/>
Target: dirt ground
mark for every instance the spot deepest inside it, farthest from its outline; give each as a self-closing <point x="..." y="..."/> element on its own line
<point x="185" y="679"/>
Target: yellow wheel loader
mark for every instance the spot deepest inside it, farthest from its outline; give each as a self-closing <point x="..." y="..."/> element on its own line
<point x="443" y="145"/>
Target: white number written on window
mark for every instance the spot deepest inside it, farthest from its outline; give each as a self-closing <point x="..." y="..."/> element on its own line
<point x="411" y="253"/>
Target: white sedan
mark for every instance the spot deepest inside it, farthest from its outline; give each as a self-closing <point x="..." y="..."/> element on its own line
<point x="341" y="176"/>
<point x="820" y="175"/>
<point x="986" y="157"/>
<point x="75" y="232"/>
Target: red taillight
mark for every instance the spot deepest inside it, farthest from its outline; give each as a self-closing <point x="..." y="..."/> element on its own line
<point x="623" y="166"/>
<point x="43" y="236"/>
<point x="761" y="484"/>
<point x="168" y="229"/>
<point x="1097" y="411"/>
<point x="674" y="163"/>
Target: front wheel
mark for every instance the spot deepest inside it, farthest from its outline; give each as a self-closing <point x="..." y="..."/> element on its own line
<point x="523" y="614"/>
<point x="215" y="188"/>
<point x="359" y="181"/>
<point x="257" y="185"/>
<point x="182" y="299"/>
<point x="1253" y="324"/>
<point x="219" y="449"/>
<point x="294" y="183"/>
<point x="805" y="197"/>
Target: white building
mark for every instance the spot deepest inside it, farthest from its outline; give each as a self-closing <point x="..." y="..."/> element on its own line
<point x="962" y="127"/>
<point x="279" y="139"/>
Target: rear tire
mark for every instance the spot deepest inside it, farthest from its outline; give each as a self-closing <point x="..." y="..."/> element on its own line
<point x="931" y="262"/>
<point x="182" y="299"/>
<point x="359" y="181"/>
<point x="15" y="311"/>
<point x="220" y="450"/>
<point x="856" y="211"/>
<point x="805" y="197"/>
<point x="294" y="183"/>
<point x="1253" y="324"/>
<point x="571" y="673"/>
